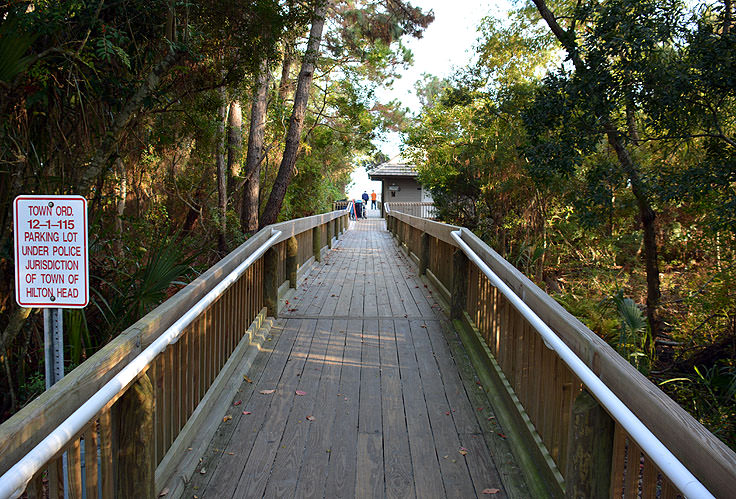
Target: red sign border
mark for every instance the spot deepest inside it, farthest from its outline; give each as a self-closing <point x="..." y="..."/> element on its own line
<point x="50" y="197"/>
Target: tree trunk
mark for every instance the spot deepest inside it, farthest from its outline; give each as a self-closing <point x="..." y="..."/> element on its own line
<point x="647" y="216"/>
<point x="221" y="172"/>
<point x="285" y="85"/>
<point x="254" y="156"/>
<point x="195" y="210"/>
<point x="646" y="213"/>
<point x="121" y="194"/>
<point x="293" y="137"/>
<point x="727" y="16"/>
<point x="234" y="143"/>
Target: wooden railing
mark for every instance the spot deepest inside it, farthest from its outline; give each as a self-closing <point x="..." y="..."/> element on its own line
<point x="557" y="429"/>
<point x="422" y="210"/>
<point x="340" y="205"/>
<point x="169" y="401"/>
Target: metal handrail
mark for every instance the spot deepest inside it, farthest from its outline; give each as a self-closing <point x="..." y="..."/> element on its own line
<point x="677" y="473"/>
<point x="16" y="479"/>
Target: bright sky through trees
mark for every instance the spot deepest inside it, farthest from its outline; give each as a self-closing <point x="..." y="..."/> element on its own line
<point x="447" y="44"/>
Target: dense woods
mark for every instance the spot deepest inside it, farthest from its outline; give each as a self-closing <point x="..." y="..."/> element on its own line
<point x="592" y="144"/>
<point x="186" y="126"/>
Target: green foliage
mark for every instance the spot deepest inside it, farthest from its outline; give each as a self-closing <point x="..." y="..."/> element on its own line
<point x="132" y="295"/>
<point x="530" y="151"/>
<point x="77" y="333"/>
<point x="709" y="394"/>
<point x="14" y="44"/>
<point x="632" y="339"/>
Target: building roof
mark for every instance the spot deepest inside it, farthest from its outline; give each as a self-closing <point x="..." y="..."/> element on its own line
<point x="392" y="169"/>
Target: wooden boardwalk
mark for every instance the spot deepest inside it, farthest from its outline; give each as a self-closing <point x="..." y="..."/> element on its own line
<point x="363" y="391"/>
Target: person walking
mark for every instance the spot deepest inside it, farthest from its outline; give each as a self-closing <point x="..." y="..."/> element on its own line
<point x="373" y="200"/>
<point x="365" y="202"/>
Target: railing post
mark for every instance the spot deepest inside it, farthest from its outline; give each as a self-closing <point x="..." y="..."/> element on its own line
<point x="135" y="471"/>
<point x="270" y="286"/>
<point x="590" y="448"/>
<point x="292" y="249"/>
<point x="336" y="228"/>
<point x="317" y="243"/>
<point x="459" y="284"/>
<point x="424" y="256"/>
<point x="329" y="235"/>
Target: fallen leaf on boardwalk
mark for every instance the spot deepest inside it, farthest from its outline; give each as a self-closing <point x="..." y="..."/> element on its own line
<point x="247" y="379"/>
<point x="463" y="451"/>
<point x="501" y="435"/>
<point x="490" y="491"/>
<point x="287" y="302"/>
<point x="300" y="392"/>
<point x="163" y="492"/>
<point x="203" y="471"/>
<point x="266" y="392"/>
<point x="230" y="453"/>
<point x="247" y="413"/>
<point x="447" y="413"/>
<point x="480" y="408"/>
<point x="227" y="418"/>
<point x="238" y="402"/>
<point x="311" y="418"/>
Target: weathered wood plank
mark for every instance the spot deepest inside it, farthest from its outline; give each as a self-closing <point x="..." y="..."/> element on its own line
<point x="289" y="454"/>
<point x="506" y="475"/>
<point x="342" y="467"/>
<point x="426" y="469"/>
<point x="369" y="419"/>
<point x="396" y="454"/>
<point x="370" y="477"/>
<point x="464" y="415"/>
<point x="455" y="474"/>
<point x="233" y="443"/>
<point x="255" y="475"/>
<point x="313" y="472"/>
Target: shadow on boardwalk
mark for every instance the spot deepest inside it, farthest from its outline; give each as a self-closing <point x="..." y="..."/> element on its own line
<point x="365" y="392"/>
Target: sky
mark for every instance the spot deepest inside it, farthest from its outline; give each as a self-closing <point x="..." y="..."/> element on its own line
<point x="447" y="44"/>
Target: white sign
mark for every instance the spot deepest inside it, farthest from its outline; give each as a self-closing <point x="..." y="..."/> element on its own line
<point x="51" y="269"/>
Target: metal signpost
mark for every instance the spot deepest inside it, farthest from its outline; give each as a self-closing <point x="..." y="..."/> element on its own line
<point x="51" y="268"/>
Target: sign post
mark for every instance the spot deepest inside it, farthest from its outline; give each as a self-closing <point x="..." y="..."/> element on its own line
<point x="51" y="269"/>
